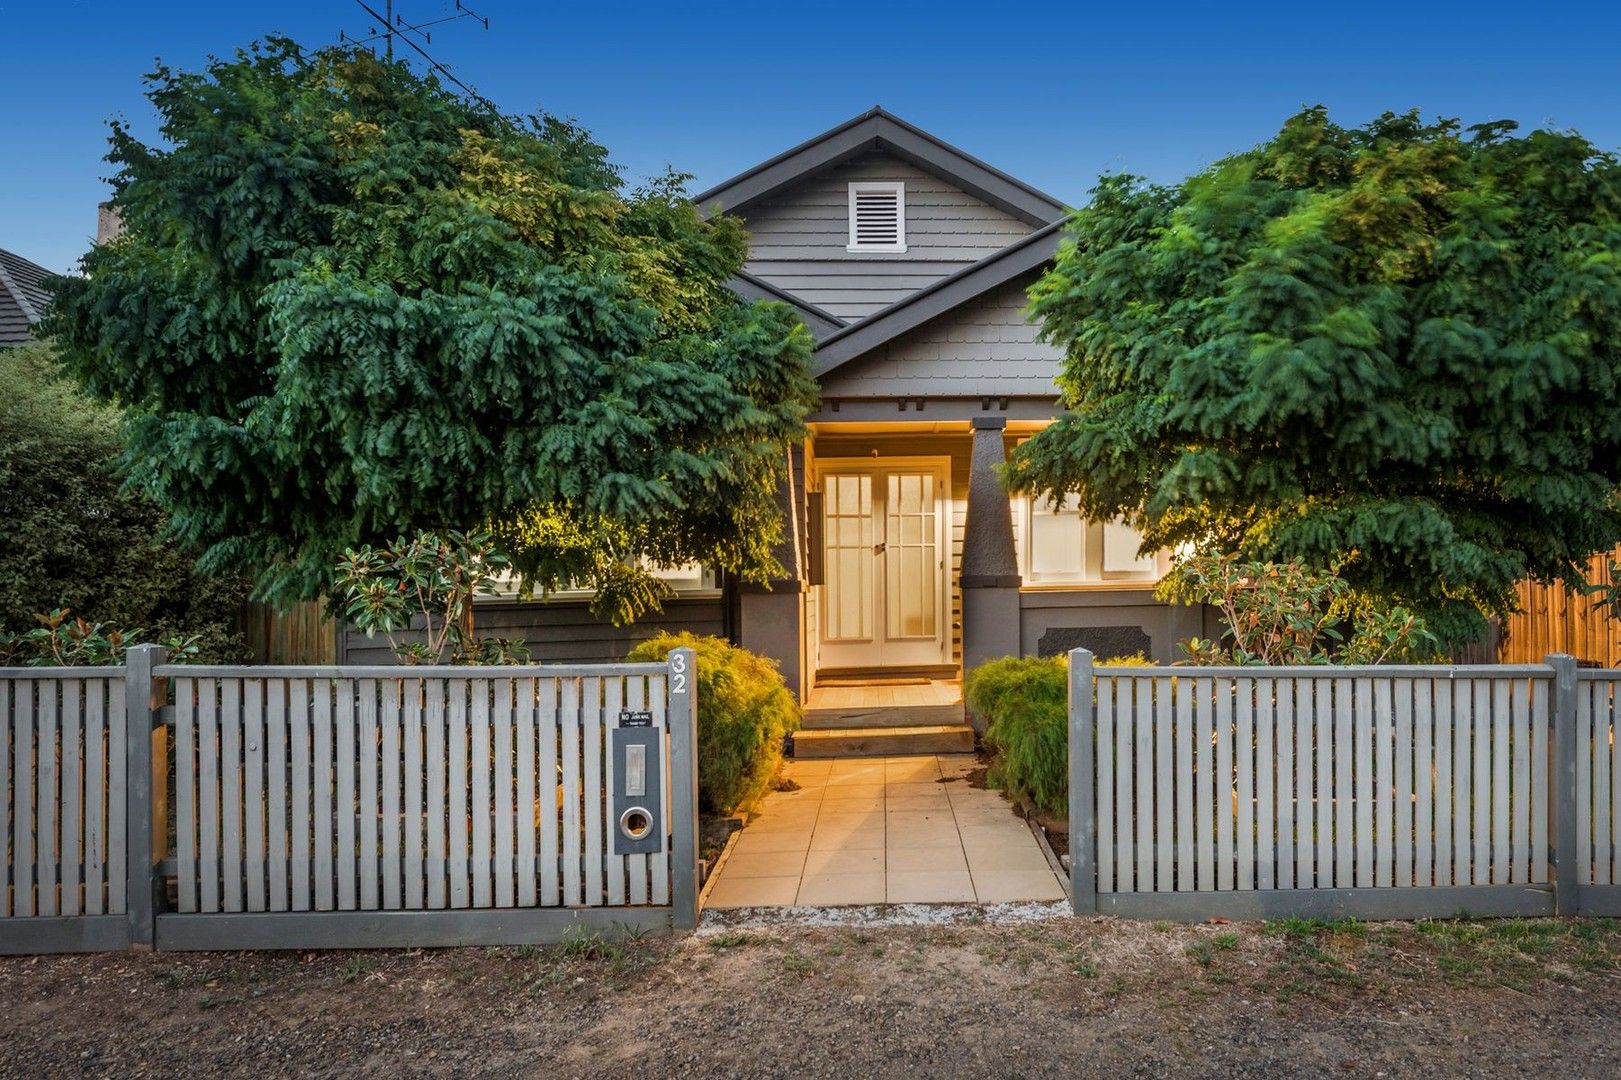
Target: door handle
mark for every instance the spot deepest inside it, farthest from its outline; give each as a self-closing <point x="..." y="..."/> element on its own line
<point x="880" y="547"/>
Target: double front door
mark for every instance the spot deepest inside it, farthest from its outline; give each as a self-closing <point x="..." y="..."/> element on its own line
<point x="885" y="557"/>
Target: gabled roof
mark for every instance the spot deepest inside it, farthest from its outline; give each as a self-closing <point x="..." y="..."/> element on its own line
<point x="820" y="323"/>
<point x="23" y="297"/>
<point x="877" y="129"/>
<point x="915" y="309"/>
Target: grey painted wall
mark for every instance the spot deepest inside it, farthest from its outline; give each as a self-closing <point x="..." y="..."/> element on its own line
<point x="560" y="632"/>
<point x="1108" y="621"/>
<point x="798" y="239"/>
<point x="986" y="347"/>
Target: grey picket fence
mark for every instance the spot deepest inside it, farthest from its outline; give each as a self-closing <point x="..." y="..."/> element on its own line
<point x="1377" y="791"/>
<point x="330" y="807"/>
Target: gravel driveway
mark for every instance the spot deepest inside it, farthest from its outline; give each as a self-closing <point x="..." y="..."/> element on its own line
<point x="1056" y="997"/>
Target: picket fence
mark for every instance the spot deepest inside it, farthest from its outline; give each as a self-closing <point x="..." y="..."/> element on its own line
<point x="1375" y="791"/>
<point x="311" y="807"/>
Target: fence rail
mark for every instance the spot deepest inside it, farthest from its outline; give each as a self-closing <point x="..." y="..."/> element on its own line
<point x="1383" y="791"/>
<point x="332" y="806"/>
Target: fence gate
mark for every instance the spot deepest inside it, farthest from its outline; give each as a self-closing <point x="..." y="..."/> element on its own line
<point x="1595" y="758"/>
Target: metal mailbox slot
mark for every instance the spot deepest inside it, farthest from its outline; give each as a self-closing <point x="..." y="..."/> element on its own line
<point x="638" y="802"/>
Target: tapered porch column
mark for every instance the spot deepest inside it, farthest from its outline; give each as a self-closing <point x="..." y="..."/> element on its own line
<point x="990" y="570"/>
<point x="771" y="617"/>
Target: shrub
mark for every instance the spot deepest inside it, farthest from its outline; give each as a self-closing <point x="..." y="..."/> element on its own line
<point x="77" y="539"/>
<point x="426" y="586"/>
<point x="744" y="713"/>
<point x="1025" y="703"/>
<point x="1290" y="613"/>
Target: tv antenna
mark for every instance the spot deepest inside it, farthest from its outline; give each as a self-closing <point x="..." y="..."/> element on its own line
<point x="392" y="25"/>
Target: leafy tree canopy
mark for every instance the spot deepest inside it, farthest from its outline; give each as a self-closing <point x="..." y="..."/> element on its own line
<point x="349" y="305"/>
<point x="1393" y="349"/>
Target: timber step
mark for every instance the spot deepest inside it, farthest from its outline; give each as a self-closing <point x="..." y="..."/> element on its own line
<point x="955" y="738"/>
<point x="873" y="716"/>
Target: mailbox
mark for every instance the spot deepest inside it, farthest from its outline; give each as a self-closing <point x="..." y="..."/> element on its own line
<point x="638" y="773"/>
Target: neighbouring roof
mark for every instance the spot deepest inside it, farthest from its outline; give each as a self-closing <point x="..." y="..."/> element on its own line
<point x="23" y="297"/>
<point x="880" y="130"/>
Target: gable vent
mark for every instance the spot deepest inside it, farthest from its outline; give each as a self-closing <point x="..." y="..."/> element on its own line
<point x="877" y="217"/>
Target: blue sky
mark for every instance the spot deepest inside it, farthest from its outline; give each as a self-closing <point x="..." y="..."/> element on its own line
<point x="1055" y="96"/>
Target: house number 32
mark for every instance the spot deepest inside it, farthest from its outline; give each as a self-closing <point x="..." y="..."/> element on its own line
<point x="678" y="673"/>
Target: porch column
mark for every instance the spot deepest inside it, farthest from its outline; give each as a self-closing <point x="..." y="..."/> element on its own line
<point x="771" y="616"/>
<point x="990" y="571"/>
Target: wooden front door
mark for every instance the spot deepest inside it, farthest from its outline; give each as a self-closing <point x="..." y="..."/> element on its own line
<point x="886" y="560"/>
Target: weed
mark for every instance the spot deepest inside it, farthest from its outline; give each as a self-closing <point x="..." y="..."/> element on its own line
<point x="797" y="965"/>
<point x="353" y="970"/>
<point x="732" y="940"/>
<point x="579" y="945"/>
<point x="1162" y="926"/>
<point x="1200" y="952"/>
<point x="1225" y="941"/>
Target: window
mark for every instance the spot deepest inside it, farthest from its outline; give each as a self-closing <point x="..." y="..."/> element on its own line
<point x="691" y="578"/>
<point x="877" y="216"/>
<point x="1059" y="547"/>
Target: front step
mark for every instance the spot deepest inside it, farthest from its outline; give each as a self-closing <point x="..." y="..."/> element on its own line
<point x="885" y="716"/>
<point x="884" y="741"/>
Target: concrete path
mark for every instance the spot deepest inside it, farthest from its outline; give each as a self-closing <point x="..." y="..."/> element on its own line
<point x="899" y="830"/>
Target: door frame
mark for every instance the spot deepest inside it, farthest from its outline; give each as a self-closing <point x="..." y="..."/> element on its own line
<point x="939" y="465"/>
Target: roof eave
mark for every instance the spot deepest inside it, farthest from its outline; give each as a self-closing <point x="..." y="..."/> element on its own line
<point x="882" y="326"/>
<point x="877" y="129"/>
<point x="821" y="324"/>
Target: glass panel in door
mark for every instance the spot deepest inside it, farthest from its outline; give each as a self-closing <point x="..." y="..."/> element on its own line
<point x="850" y="571"/>
<point x="911" y="569"/>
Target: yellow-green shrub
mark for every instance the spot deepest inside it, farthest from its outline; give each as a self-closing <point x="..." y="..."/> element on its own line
<point x="1025" y="703"/>
<point x="744" y="713"/>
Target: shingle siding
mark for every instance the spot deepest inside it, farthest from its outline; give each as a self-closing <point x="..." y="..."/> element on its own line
<point x="798" y="239"/>
<point x="986" y="347"/>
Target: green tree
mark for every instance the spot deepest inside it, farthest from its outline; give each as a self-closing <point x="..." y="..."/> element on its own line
<point x="350" y="306"/>
<point x="76" y="537"/>
<point x="1393" y="349"/>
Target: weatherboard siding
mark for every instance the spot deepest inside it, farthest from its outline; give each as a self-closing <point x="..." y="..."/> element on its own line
<point x="558" y="632"/>
<point x="986" y="347"/>
<point x="797" y="240"/>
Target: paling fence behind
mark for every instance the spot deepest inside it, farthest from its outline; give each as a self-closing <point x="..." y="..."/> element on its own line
<point x="303" y="807"/>
<point x="1377" y="791"/>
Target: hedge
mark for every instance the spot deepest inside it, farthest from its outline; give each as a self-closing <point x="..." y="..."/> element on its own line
<point x="1025" y="703"/>
<point x="744" y="713"/>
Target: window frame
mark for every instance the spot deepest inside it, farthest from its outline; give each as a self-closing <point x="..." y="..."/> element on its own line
<point x="894" y="187"/>
<point x="707" y="585"/>
<point x="1092" y="539"/>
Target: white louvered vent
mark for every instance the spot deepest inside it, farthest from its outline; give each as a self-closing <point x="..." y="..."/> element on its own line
<point x="877" y="216"/>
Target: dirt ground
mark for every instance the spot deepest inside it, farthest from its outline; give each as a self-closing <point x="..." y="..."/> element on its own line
<point x="1060" y="997"/>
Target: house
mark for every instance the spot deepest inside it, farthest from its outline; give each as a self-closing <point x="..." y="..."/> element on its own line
<point x="908" y="260"/>
<point x="23" y="297"/>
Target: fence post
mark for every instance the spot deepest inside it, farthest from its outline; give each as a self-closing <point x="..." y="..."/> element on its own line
<point x="144" y="695"/>
<point x="683" y="714"/>
<point x="1562" y="784"/>
<point x="1083" y="879"/>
